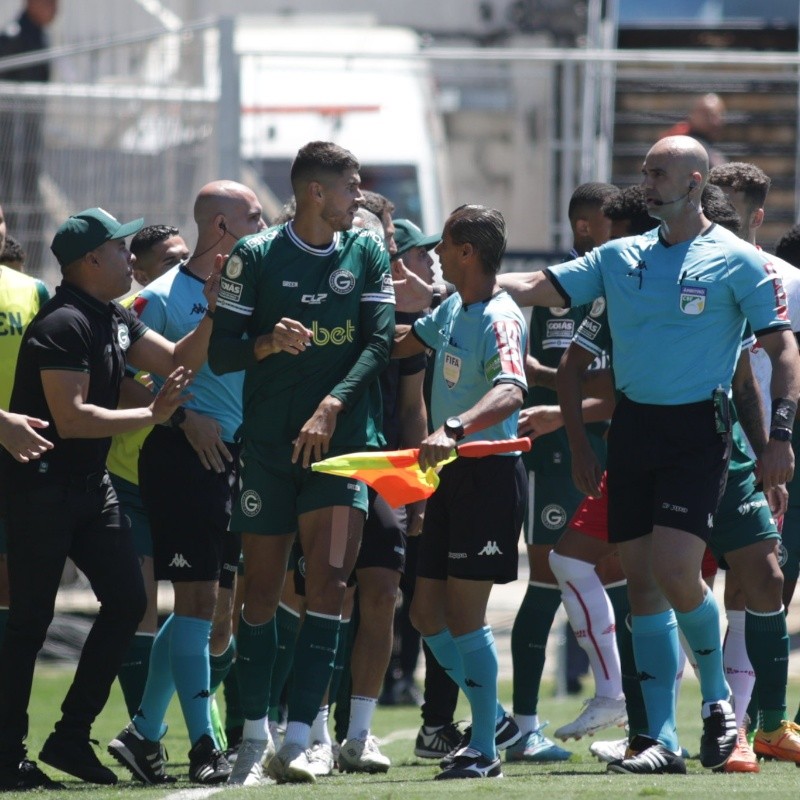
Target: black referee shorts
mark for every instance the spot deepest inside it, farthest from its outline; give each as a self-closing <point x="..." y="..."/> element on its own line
<point x="667" y="466"/>
<point x="473" y="520"/>
<point x="189" y="507"/>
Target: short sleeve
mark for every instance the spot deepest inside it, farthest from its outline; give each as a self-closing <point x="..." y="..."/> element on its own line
<point x="379" y="286"/>
<point x="503" y="353"/>
<point x="428" y="328"/>
<point x="580" y="280"/>
<point x="150" y="309"/>
<point x="758" y="289"/>
<point x="238" y="283"/>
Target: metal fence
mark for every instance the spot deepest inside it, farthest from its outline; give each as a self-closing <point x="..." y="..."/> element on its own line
<point x="138" y="123"/>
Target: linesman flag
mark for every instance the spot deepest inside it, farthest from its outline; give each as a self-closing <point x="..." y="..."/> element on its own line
<point x="395" y="474"/>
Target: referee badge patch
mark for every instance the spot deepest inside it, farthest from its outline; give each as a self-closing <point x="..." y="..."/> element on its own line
<point x="452" y="369"/>
<point x="693" y="300"/>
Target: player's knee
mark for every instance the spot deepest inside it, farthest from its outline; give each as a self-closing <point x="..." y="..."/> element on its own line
<point x="568" y="569"/>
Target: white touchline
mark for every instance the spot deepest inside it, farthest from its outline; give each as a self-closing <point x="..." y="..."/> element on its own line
<point x="193" y="794"/>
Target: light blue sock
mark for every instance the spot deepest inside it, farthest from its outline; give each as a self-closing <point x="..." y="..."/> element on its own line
<point x="655" y="645"/>
<point x="479" y="657"/>
<point x="192" y="674"/>
<point x="701" y="629"/>
<point x="160" y="685"/>
<point x="444" y="648"/>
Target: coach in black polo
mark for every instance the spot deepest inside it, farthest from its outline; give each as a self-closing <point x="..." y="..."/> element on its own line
<point x="69" y="372"/>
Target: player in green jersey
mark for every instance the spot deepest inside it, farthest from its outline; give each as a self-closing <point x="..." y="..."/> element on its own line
<point x="308" y="313"/>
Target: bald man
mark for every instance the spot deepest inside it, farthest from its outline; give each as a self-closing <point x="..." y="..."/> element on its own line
<point x="678" y="299"/>
<point x="188" y="502"/>
<point x="705" y="123"/>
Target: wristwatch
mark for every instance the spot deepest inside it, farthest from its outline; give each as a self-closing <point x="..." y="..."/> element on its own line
<point x="454" y="428"/>
<point x="178" y="417"/>
<point x="781" y="434"/>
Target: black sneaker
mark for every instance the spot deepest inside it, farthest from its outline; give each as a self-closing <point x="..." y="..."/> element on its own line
<point x="76" y="757"/>
<point x="234" y="736"/>
<point x="437" y="741"/>
<point x="207" y="764"/>
<point x="144" y="758"/>
<point x="650" y="757"/>
<point x="506" y="732"/>
<point x="24" y="776"/>
<point x="719" y="733"/>
<point x="469" y="763"/>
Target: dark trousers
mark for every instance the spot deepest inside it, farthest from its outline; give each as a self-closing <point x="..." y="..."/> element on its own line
<point x="79" y="519"/>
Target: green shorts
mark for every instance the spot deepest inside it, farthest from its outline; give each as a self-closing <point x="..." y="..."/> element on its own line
<point x="274" y="492"/>
<point x="552" y="500"/>
<point x="130" y="504"/>
<point x="743" y="518"/>
<point x="790" y="536"/>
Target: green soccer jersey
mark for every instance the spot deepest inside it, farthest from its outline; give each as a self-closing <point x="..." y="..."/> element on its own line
<point x="551" y="331"/>
<point x="344" y="294"/>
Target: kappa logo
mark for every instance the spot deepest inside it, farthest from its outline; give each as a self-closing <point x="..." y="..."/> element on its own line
<point x="645" y="676"/>
<point x="490" y="549"/>
<point x="472" y="684"/>
<point x="250" y="503"/>
<point x="342" y="281"/>
<point x="314" y="299"/>
<point x="202" y="694"/>
<point x="706" y="652"/>
<point x="198" y="308"/>
<point x="179" y="561"/>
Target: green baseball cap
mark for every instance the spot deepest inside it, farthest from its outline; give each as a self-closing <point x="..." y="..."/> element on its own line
<point x="407" y="236"/>
<point x="86" y="231"/>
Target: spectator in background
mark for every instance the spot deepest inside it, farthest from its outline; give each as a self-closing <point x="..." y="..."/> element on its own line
<point x="705" y="123"/>
<point x="21" y="142"/>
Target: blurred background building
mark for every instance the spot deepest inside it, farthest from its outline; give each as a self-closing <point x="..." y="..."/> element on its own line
<point x="511" y="103"/>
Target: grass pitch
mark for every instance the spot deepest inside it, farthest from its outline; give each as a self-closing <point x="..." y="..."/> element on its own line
<point x="411" y="778"/>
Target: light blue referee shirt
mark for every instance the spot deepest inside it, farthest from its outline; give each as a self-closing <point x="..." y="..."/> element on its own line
<point x="477" y="346"/>
<point x="173" y="305"/>
<point x="676" y="312"/>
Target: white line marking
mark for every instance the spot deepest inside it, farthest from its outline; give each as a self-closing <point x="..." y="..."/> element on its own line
<point x="192" y="794"/>
<point x="408" y="734"/>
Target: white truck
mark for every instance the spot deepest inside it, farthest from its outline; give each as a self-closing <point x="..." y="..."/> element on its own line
<point x="363" y="86"/>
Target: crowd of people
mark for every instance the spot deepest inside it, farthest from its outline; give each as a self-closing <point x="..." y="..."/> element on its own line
<point x="168" y="433"/>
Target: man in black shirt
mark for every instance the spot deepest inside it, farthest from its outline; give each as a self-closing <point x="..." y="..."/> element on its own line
<point x="69" y="373"/>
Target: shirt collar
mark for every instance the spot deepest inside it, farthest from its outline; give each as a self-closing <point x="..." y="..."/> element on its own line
<point x="86" y="300"/>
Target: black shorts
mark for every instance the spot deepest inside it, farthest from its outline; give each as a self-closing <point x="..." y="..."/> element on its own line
<point x="231" y="555"/>
<point x="667" y="466"/>
<point x="189" y="506"/>
<point x="383" y="543"/>
<point x="473" y="520"/>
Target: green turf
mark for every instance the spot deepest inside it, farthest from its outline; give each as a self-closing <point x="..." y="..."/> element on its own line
<point x="412" y="779"/>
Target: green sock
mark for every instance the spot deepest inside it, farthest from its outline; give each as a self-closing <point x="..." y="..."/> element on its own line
<point x="313" y="665"/>
<point x="288" y="623"/>
<point x="133" y="671"/>
<point x="234" y="718"/>
<point x="256" y="649"/>
<point x="221" y="665"/>
<point x="634" y="702"/>
<point x="529" y="642"/>
<point x="343" y="650"/>
<point x="767" y="643"/>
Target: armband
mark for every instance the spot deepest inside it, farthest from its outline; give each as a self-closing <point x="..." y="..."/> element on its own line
<point x="783" y="414"/>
